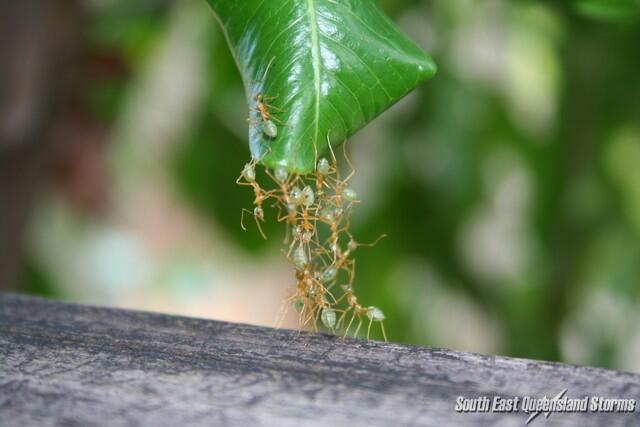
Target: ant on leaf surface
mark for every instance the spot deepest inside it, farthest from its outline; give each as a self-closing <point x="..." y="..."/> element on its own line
<point x="265" y="119"/>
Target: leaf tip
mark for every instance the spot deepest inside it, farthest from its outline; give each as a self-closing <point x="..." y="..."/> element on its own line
<point x="295" y="167"/>
<point x="427" y="68"/>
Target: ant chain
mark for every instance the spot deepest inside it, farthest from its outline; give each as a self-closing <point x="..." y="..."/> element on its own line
<point x="316" y="210"/>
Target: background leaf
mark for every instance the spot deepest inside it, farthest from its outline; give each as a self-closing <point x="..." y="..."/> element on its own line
<point x="609" y="10"/>
<point x="329" y="67"/>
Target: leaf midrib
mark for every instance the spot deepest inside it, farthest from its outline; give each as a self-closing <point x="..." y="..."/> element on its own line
<point x="315" y="61"/>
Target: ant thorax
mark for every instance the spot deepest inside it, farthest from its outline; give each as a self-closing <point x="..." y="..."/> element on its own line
<point x="316" y="210"/>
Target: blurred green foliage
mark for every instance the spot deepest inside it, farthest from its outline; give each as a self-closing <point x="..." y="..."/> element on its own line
<point x="608" y="10"/>
<point x="508" y="185"/>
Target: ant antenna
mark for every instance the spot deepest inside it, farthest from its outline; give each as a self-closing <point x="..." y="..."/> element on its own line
<point x="346" y="157"/>
<point x="375" y="242"/>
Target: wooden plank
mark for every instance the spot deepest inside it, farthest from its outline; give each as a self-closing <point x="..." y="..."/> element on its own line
<point x="65" y="364"/>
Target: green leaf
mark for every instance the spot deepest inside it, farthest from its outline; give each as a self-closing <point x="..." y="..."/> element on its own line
<point x="327" y="67"/>
<point x="609" y="10"/>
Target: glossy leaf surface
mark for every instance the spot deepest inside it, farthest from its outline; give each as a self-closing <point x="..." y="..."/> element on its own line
<point x="324" y="67"/>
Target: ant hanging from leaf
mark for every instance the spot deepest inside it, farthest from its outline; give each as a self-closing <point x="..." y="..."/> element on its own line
<point x="267" y="121"/>
<point x="343" y="193"/>
<point x="248" y="177"/>
<point x="306" y="203"/>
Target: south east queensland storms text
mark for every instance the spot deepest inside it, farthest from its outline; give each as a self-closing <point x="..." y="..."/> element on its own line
<point x="528" y="404"/>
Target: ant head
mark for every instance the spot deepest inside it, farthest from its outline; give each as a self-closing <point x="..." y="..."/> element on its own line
<point x="259" y="97"/>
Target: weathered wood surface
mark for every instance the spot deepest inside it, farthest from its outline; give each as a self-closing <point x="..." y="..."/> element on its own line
<point x="64" y="364"/>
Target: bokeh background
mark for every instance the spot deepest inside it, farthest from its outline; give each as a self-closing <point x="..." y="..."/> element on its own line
<point x="509" y="185"/>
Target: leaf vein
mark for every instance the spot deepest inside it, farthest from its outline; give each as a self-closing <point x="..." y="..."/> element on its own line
<point x="375" y="76"/>
<point x="315" y="59"/>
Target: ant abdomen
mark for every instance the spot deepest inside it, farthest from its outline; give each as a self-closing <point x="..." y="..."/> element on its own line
<point x="269" y="129"/>
<point x="328" y="318"/>
<point x="329" y="274"/>
<point x="299" y="257"/>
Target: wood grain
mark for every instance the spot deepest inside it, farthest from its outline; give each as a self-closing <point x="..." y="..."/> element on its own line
<point x="66" y="364"/>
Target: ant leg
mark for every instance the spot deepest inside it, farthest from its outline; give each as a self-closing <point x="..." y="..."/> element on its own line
<point x="344" y="152"/>
<point x="335" y="301"/>
<point x="359" y="326"/>
<point x="267" y="98"/>
<point x="375" y="242"/>
<point x="316" y="315"/>
<point x="242" y="218"/>
<point x="257" y="222"/>
<point x="283" y="217"/>
<point x="274" y="108"/>
<point x="270" y="175"/>
<point x="243" y="183"/>
<point x="267" y="194"/>
<point x="349" y="268"/>
<point x="338" y="301"/>
<point x="384" y="334"/>
<point x="264" y="236"/>
<point x="301" y="315"/>
<point x="341" y="318"/>
<point x="284" y="310"/>
<point x="333" y="155"/>
<point x="277" y="120"/>
<point x="346" y="332"/>
<point x="311" y="319"/>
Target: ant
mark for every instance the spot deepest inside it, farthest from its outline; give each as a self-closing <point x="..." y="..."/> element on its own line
<point x="305" y="205"/>
<point x="374" y="314"/>
<point x="249" y="176"/>
<point x="311" y="300"/>
<point x="266" y="120"/>
<point x="341" y="186"/>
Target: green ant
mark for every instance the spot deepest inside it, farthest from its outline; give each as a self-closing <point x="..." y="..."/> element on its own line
<point x="306" y="204"/>
<point x="267" y="121"/>
<point x="248" y="177"/>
